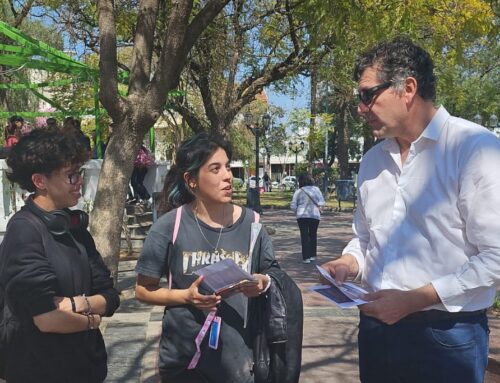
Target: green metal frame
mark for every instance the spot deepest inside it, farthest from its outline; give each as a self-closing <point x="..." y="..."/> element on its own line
<point x="33" y="54"/>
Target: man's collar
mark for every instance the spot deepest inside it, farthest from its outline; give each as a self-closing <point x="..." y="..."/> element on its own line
<point x="431" y="132"/>
<point x="433" y="129"/>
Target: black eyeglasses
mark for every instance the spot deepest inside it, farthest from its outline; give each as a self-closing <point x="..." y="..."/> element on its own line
<point x="366" y="95"/>
<point x="74" y="177"/>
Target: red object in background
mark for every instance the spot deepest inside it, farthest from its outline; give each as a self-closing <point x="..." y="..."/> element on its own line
<point x="11" y="141"/>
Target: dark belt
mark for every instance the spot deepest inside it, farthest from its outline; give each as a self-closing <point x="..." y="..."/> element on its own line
<point x="439" y="315"/>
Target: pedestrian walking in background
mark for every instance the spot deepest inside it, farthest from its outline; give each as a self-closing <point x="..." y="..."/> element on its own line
<point x="54" y="284"/>
<point x="267" y="182"/>
<point x="426" y="239"/>
<point x="201" y="227"/>
<point x="307" y="203"/>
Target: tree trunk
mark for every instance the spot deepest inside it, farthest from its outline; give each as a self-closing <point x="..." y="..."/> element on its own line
<point x="137" y="112"/>
<point x="343" y="141"/>
<point x="109" y="204"/>
<point x="314" y="112"/>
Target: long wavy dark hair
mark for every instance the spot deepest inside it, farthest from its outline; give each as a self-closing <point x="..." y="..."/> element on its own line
<point x="190" y="157"/>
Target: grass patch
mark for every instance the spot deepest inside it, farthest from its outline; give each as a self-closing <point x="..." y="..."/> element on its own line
<point x="496" y="304"/>
<point x="282" y="200"/>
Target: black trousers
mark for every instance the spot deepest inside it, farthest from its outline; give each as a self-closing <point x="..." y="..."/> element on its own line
<point x="137" y="179"/>
<point x="308" y="236"/>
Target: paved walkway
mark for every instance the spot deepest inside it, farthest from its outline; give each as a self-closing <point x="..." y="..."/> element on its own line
<point x="329" y="346"/>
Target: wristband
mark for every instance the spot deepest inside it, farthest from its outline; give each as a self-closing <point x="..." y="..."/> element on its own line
<point x="90" y="322"/>
<point x="73" y="305"/>
<point x="89" y="307"/>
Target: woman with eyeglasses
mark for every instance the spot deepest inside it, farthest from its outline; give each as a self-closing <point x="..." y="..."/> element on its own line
<point x="53" y="280"/>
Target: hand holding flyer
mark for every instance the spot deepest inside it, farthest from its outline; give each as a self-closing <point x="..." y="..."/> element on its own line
<point x="224" y="278"/>
<point x="345" y="295"/>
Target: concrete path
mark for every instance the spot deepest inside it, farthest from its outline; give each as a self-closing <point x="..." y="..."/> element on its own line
<point x="330" y="334"/>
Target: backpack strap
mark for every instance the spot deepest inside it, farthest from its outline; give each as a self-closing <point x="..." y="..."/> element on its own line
<point x="254" y="233"/>
<point x="256" y="217"/>
<point x="177" y="224"/>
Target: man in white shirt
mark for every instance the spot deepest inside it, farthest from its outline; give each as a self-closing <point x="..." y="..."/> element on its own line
<point x="427" y="228"/>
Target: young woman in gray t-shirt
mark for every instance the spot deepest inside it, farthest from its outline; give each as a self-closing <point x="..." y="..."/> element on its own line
<point x="209" y="228"/>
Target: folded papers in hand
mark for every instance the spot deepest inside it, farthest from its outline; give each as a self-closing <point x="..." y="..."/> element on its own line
<point x="345" y="295"/>
<point x="224" y="278"/>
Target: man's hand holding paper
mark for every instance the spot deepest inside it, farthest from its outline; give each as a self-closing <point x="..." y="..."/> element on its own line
<point x="344" y="295"/>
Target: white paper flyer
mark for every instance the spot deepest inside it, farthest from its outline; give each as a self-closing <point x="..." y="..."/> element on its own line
<point x="345" y="296"/>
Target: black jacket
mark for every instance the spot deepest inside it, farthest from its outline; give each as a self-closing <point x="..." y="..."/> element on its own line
<point x="276" y="321"/>
<point x="277" y="326"/>
<point x="35" y="266"/>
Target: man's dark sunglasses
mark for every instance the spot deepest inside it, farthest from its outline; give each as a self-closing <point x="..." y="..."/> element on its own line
<point x="366" y="95"/>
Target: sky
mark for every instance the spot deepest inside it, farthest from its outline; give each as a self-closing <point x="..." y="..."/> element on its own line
<point x="290" y="102"/>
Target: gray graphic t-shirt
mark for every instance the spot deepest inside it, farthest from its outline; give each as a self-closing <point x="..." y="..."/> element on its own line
<point x="191" y="252"/>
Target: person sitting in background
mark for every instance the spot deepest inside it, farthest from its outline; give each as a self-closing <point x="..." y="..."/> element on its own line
<point x="12" y="131"/>
<point x="26" y="128"/>
<point x="51" y="122"/>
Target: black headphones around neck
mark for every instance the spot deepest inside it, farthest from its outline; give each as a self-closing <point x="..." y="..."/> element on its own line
<point x="59" y="222"/>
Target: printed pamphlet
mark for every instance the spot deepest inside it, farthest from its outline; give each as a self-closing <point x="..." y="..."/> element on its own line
<point x="345" y="295"/>
<point x="223" y="278"/>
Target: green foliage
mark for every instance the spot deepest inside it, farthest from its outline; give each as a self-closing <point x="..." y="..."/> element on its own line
<point x="275" y="199"/>
<point x="319" y="173"/>
<point x="238" y="184"/>
<point x="496" y="304"/>
<point x="23" y="100"/>
<point x="461" y="36"/>
<point x="241" y="139"/>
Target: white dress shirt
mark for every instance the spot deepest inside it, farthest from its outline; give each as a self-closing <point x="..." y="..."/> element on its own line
<point x="435" y="218"/>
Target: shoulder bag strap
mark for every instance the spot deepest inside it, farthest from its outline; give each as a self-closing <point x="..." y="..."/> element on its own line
<point x="311" y="198"/>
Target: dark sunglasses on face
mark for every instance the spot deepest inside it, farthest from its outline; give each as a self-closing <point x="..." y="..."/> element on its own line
<point x="74" y="177"/>
<point x="366" y="95"/>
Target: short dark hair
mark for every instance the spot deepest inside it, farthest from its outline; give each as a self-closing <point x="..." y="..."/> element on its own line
<point x="51" y="122"/>
<point x="42" y="151"/>
<point x="305" y="179"/>
<point x="397" y="59"/>
<point x="190" y="157"/>
<point x="14" y="119"/>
